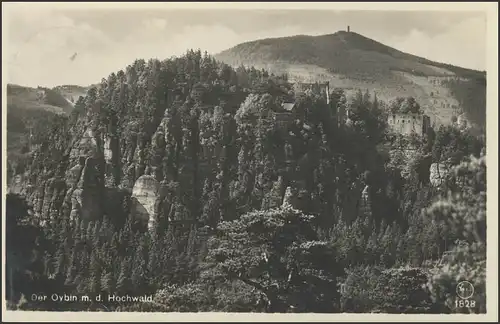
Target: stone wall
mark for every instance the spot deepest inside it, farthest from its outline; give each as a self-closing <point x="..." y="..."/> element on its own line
<point x="409" y="123"/>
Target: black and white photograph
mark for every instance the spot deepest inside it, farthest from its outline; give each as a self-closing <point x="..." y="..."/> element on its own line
<point x="224" y="159"/>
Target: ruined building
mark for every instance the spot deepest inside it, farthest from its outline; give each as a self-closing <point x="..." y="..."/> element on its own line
<point x="407" y="124"/>
<point x="287" y="113"/>
<point x="317" y="88"/>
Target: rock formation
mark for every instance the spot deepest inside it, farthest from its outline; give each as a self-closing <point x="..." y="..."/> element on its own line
<point x="438" y="172"/>
<point x="91" y="185"/>
<point x="144" y="197"/>
<point x="288" y="198"/>
<point x="365" y="204"/>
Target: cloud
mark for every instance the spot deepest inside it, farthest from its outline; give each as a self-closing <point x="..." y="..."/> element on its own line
<point x="156" y="23"/>
<point x="39" y="51"/>
<point x="462" y="44"/>
<point x="40" y="42"/>
<point x="216" y="38"/>
<point x="43" y="58"/>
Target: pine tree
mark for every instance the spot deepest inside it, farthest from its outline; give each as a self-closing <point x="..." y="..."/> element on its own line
<point x="108" y="282"/>
<point x="114" y="248"/>
<point x="372" y="247"/>
<point x="123" y="283"/>
<point x="61" y="260"/>
<point x="95" y="283"/>
<point x="72" y="272"/>
<point x="140" y="263"/>
<point x="89" y="232"/>
<point x="84" y="261"/>
<point x="304" y="279"/>
<point x="181" y="270"/>
<point x="385" y="242"/>
<point x="95" y="264"/>
<point x="154" y="261"/>
<point x="96" y="237"/>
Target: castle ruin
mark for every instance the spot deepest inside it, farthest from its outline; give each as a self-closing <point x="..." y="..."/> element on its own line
<point x="319" y="88"/>
<point x="407" y="124"/>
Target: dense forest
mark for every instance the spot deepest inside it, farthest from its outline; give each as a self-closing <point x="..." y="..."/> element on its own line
<point x="26" y="128"/>
<point x="251" y="212"/>
<point x="471" y="95"/>
<point x="31" y="112"/>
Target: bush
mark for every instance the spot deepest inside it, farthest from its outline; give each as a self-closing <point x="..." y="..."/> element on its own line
<point x="395" y="290"/>
<point x="463" y="212"/>
<point x="205" y="296"/>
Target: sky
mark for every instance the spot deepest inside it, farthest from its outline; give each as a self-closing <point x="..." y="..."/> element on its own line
<point x="39" y="41"/>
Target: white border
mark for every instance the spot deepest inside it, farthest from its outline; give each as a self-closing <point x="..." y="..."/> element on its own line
<point x="492" y="156"/>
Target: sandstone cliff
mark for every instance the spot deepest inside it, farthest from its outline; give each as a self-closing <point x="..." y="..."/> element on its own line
<point x="144" y="196"/>
<point x="155" y="144"/>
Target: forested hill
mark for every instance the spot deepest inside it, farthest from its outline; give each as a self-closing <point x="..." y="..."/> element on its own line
<point x="186" y="180"/>
<point x="41" y="98"/>
<point x="31" y="113"/>
<point x="352" y="61"/>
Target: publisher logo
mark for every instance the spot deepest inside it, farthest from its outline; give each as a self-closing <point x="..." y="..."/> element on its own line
<point x="465" y="290"/>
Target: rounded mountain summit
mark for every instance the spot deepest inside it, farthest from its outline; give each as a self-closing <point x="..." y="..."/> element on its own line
<point x="352" y="61"/>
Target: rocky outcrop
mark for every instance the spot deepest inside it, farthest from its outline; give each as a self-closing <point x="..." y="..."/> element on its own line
<point x="158" y="152"/>
<point x="53" y="197"/>
<point x="126" y="138"/>
<point x="144" y="197"/>
<point x="76" y="204"/>
<point x="163" y="203"/>
<point x="108" y="153"/>
<point x="128" y="180"/>
<point x="351" y="204"/>
<point x="438" y="172"/>
<point x="16" y="184"/>
<point x="287" y="199"/>
<point x="86" y="146"/>
<point x="36" y="199"/>
<point x="365" y="203"/>
<point x="91" y="183"/>
<point x="73" y="175"/>
<point x="167" y="202"/>
<point x="112" y="160"/>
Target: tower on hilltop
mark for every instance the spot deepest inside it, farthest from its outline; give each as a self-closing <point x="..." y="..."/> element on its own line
<point x="348" y="28"/>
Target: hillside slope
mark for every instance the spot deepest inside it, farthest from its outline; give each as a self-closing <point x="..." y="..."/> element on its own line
<point x="72" y="92"/>
<point x="34" y="110"/>
<point x="351" y="61"/>
<point x="20" y="97"/>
